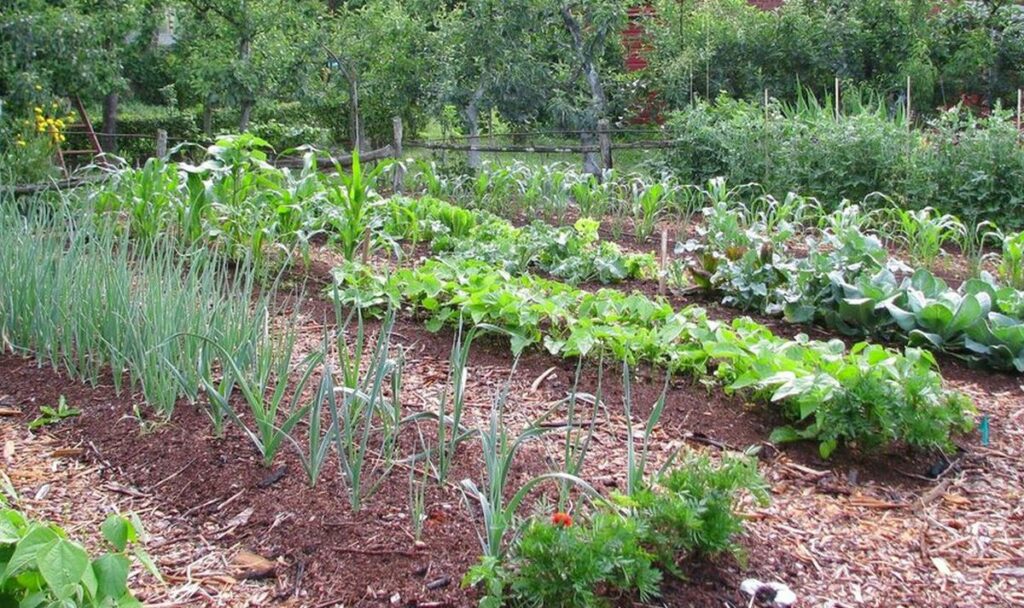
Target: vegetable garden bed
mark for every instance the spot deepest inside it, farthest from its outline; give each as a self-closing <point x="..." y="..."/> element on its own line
<point x="401" y="502"/>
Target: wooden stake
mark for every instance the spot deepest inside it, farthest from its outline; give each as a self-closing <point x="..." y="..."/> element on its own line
<point x="396" y="127"/>
<point x="161" y="143"/>
<point x="836" y="101"/>
<point x="1019" y="92"/>
<point x="664" y="261"/>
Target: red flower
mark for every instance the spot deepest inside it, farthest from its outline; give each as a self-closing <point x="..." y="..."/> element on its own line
<point x="561" y="519"/>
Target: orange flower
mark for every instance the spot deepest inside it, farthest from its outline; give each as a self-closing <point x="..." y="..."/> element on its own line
<point x="561" y="519"/>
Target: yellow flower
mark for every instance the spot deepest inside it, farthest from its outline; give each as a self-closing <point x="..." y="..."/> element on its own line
<point x="38" y="110"/>
<point x="39" y="87"/>
<point x="21" y="142"/>
<point x="53" y="104"/>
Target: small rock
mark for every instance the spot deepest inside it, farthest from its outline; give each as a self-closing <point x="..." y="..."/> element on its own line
<point x="397" y="597"/>
<point x="777" y="594"/>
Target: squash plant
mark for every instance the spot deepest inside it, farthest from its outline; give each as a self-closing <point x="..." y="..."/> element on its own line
<point x="40" y="566"/>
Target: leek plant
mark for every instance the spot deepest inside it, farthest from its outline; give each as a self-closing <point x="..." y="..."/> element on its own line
<point x="499" y="447"/>
<point x="77" y="295"/>
<point x="636" y="464"/>
<point x="356" y="404"/>
<point x="265" y="385"/>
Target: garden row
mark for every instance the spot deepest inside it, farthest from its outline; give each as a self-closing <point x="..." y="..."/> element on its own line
<point x="847" y="280"/>
<point x="79" y="294"/>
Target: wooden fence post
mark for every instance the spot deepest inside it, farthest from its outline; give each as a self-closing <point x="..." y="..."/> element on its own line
<point x="604" y="139"/>
<point x="1019" y="95"/>
<point x="396" y="126"/>
<point x="161" y="143"/>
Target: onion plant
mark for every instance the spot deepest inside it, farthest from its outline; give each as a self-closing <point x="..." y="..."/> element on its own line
<point x="79" y="296"/>
<point x="356" y="404"/>
<point x="499" y="449"/>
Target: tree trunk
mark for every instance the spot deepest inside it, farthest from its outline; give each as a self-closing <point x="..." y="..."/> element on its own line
<point x="355" y="121"/>
<point x="208" y="117"/>
<point x="110" y="123"/>
<point x="248" y="98"/>
<point x="598" y="101"/>
<point x="591" y="163"/>
<point x="473" y="128"/>
<point x="245" y="115"/>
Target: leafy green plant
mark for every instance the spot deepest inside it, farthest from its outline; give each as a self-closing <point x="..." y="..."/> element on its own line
<point x="1011" y="258"/>
<point x="40" y="565"/>
<point x="584" y="564"/>
<point x="53" y="415"/>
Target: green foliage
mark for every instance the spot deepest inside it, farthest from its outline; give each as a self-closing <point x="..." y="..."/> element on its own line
<point x="559" y="566"/>
<point x="40" y="565"/>
<point x="700" y="49"/>
<point x="690" y="510"/>
<point x="79" y="297"/>
<point x="962" y="165"/>
<point x="350" y="206"/>
<point x="803" y="377"/>
<point x="847" y="280"/>
<point x="622" y="549"/>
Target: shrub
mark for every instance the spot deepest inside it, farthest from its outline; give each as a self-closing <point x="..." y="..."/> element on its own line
<point x="967" y="166"/>
<point x="691" y="510"/>
<point x="577" y="565"/>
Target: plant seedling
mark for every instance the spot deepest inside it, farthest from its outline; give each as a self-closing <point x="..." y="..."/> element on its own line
<point x="49" y="415"/>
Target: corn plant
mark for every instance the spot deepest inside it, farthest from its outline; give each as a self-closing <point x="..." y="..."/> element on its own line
<point x="590" y="196"/>
<point x="924" y="232"/>
<point x="649" y="202"/>
<point x="1011" y="257"/>
<point x="351" y="199"/>
<point x="973" y="240"/>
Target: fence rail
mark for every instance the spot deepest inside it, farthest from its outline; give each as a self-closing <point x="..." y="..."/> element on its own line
<point x="602" y="150"/>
